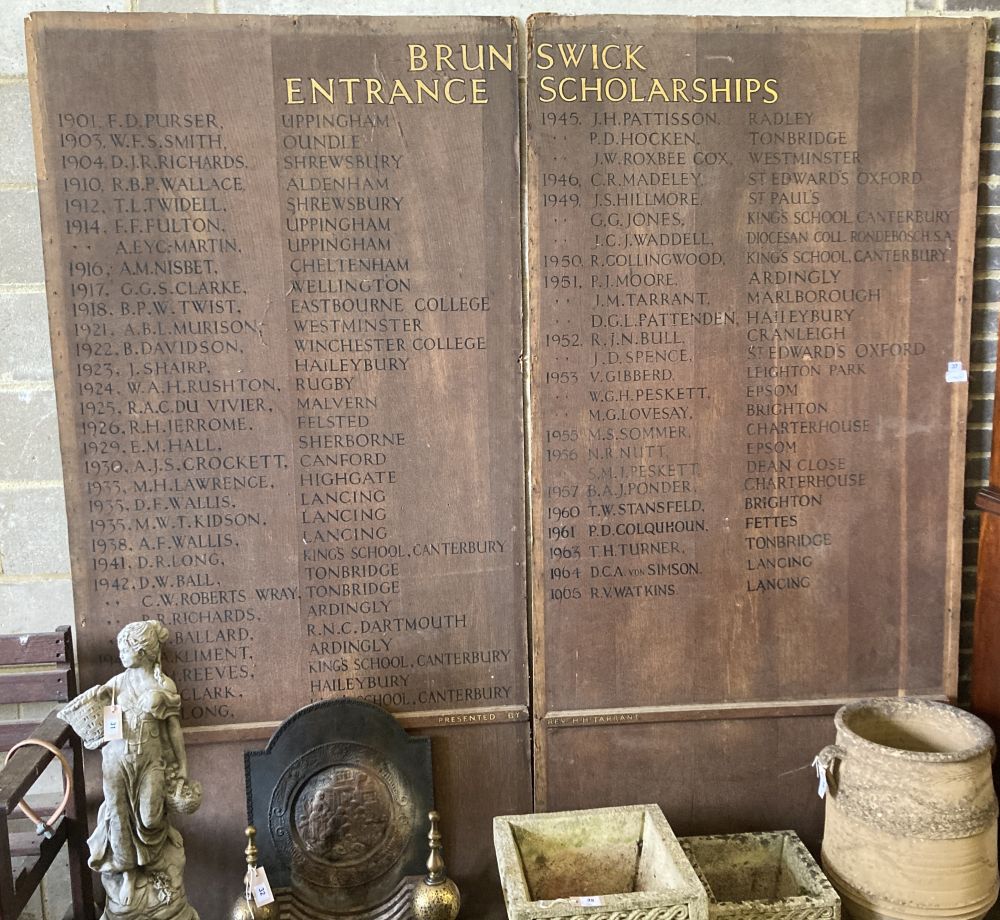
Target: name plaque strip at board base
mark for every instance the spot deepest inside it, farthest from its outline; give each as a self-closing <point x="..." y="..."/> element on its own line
<point x="763" y="710"/>
<point x="261" y="731"/>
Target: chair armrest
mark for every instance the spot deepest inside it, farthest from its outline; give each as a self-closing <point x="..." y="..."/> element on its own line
<point x="28" y="763"/>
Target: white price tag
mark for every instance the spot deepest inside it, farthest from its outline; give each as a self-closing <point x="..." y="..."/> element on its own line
<point x="260" y="889"/>
<point x="956" y="373"/>
<point x="824" y="785"/>
<point x="113" y="723"/>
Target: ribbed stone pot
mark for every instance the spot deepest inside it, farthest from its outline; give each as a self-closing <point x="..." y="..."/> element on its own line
<point x="761" y="876"/>
<point x="598" y="864"/>
<point x="911" y="815"/>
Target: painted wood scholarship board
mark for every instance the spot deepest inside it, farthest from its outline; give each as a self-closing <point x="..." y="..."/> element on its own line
<point x="283" y="262"/>
<point x="284" y="277"/>
<point x="750" y="256"/>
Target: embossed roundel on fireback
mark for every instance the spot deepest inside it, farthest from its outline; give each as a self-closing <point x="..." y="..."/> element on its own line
<point x="342" y="815"/>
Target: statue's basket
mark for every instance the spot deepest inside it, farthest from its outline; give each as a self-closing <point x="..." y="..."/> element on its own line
<point x="184" y="797"/>
<point x="85" y="715"/>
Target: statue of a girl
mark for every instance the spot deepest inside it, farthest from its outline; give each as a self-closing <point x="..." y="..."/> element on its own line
<point x="135" y="848"/>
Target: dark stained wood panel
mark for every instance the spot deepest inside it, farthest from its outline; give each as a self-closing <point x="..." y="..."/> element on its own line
<point x="34" y="648"/>
<point x="751" y="247"/>
<point x="462" y="758"/>
<point x="709" y="777"/>
<point x="985" y="689"/>
<point x="283" y="268"/>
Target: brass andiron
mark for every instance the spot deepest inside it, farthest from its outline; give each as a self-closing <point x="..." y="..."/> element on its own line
<point x="436" y="896"/>
<point x="245" y="908"/>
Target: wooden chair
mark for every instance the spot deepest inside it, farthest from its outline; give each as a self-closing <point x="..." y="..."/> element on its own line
<point x="38" y="667"/>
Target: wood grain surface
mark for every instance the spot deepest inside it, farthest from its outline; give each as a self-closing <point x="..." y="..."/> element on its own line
<point x="283" y="267"/>
<point x="750" y="246"/>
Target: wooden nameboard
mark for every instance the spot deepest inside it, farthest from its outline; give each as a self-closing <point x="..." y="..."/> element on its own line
<point x="283" y="270"/>
<point x="751" y="251"/>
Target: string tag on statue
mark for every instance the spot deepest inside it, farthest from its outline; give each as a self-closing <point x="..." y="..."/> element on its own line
<point x="113" y="720"/>
<point x="260" y="888"/>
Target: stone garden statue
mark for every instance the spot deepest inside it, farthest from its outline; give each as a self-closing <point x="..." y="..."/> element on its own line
<point x="138" y="852"/>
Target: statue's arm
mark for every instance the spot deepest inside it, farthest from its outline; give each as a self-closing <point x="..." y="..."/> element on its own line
<point x="176" y="737"/>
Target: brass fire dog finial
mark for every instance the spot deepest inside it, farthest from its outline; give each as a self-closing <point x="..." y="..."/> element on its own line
<point x="245" y="908"/>
<point x="436" y="897"/>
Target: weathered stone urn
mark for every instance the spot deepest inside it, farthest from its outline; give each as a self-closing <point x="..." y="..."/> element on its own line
<point x="595" y="865"/>
<point x="762" y="876"/>
<point x="911" y="815"/>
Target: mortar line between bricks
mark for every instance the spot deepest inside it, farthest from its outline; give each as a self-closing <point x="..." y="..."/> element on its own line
<point x="27" y="386"/>
<point x="10" y="79"/>
<point x="17" y="186"/>
<point x="13" y="287"/>
<point x="36" y="578"/>
<point x="20" y="485"/>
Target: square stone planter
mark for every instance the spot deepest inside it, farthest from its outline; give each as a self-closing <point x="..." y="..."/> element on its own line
<point x="595" y="865"/>
<point x="766" y="875"/>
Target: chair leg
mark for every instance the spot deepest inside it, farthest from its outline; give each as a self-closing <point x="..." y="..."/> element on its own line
<point x="80" y="876"/>
<point x="7" y="899"/>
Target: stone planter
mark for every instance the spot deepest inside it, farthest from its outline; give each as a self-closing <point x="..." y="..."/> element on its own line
<point x="597" y="864"/>
<point x="911" y="816"/>
<point x="767" y="875"/>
